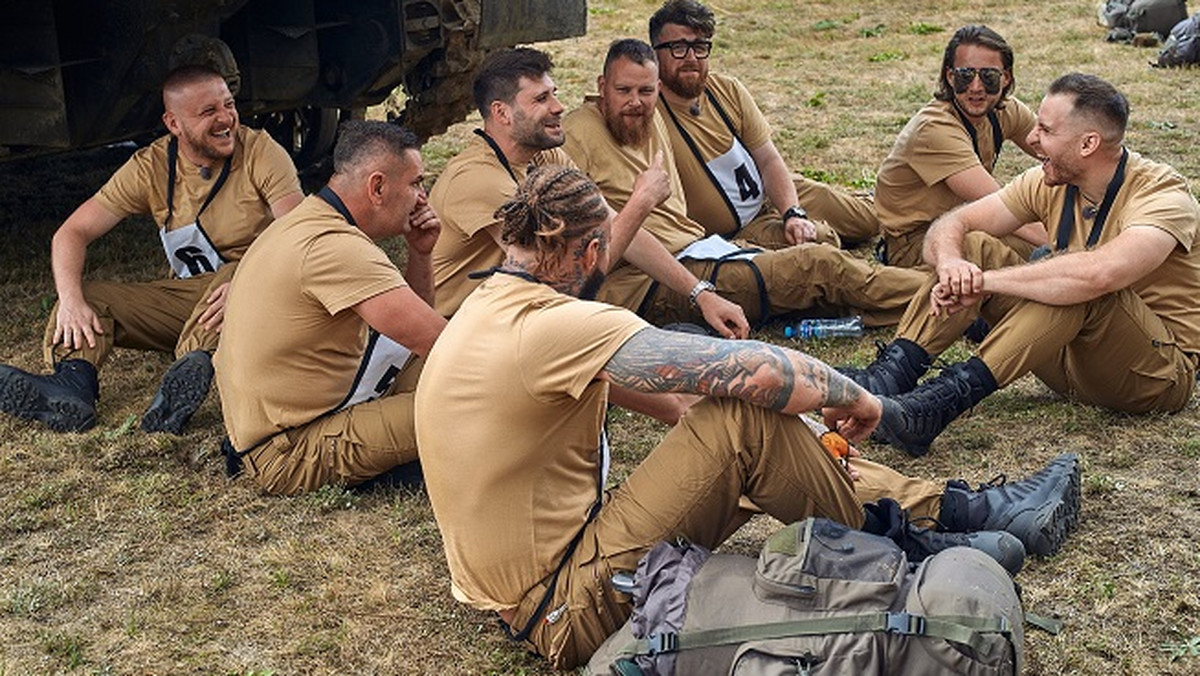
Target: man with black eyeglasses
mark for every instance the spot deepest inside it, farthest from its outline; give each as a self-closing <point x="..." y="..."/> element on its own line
<point x="947" y="152"/>
<point x="735" y="179"/>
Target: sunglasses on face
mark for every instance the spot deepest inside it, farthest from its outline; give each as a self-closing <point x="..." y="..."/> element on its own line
<point x="962" y="78"/>
<point x="679" y="48"/>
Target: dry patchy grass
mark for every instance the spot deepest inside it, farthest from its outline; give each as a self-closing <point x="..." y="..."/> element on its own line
<point x="127" y="553"/>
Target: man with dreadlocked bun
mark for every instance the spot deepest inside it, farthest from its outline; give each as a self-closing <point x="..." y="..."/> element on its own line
<point x="510" y="422"/>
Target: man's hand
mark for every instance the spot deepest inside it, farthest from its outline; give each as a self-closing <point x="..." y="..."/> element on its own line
<point x="961" y="283"/>
<point x="942" y="300"/>
<point x="799" y="230"/>
<point x="726" y="317"/>
<point x="424" y="228"/>
<point x="214" y="315"/>
<point x="856" y="420"/>
<point x="653" y="185"/>
<point x="76" y="323"/>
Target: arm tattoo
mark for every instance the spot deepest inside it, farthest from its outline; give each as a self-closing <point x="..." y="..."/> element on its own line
<point x="663" y="361"/>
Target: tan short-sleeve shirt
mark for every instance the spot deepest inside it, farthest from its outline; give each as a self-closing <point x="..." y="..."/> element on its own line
<point x="712" y="138"/>
<point x="466" y="195"/>
<point x="910" y="189"/>
<point x="291" y="345"/>
<point x="615" y="168"/>
<point x="509" y="415"/>
<point x="260" y="172"/>
<point x="1154" y="195"/>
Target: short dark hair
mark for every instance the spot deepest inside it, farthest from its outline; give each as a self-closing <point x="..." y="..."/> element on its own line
<point x="359" y="140"/>
<point x="975" y="34"/>
<point x="1096" y="100"/>
<point x="684" y="13"/>
<point x="188" y="75"/>
<point x="555" y="206"/>
<point x="498" y="77"/>
<point x="630" y="48"/>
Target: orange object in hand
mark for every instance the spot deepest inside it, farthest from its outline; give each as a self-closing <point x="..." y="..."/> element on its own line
<point x="837" y="446"/>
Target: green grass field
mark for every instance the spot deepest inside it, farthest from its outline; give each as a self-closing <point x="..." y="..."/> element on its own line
<point x="127" y="553"/>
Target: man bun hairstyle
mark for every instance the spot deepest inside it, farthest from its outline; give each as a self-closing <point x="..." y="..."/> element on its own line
<point x="498" y="77"/>
<point x="1098" y="101"/>
<point x="684" y="13"/>
<point x="555" y="206"/>
<point x="976" y="34"/>
<point x="361" y="140"/>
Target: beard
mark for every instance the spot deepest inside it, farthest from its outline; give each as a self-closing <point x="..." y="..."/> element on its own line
<point x="629" y="130"/>
<point x="591" y="285"/>
<point x="531" y="133"/>
<point x="686" y="88"/>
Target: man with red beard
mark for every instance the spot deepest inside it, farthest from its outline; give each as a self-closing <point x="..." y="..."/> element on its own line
<point x="946" y="153"/>
<point x="1109" y="317"/>
<point x="212" y="186"/>
<point x="618" y="135"/>
<point x="736" y="181"/>
<point x="522" y="128"/>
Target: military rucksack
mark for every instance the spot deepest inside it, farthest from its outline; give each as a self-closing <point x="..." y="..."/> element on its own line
<point x="1182" y="46"/>
<point x="1126" y="18"/>
<point x="820" y="599"/>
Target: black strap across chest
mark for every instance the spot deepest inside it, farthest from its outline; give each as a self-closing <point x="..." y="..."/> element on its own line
<point x="997" y="132"/>
<point x="172" y="172"/>
<point x="1066" y="222"/>
<point x="499" y="154"/>
<point x="691" y="144"/>
<point x="326" y="193"/>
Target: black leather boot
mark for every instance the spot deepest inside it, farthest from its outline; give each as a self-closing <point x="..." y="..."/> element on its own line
<point x="183" y="389"/>
<point x="911" y="421"/>
<point x="896" y="369"/>
<point x="887" y="519"/>
<point x="65" y="401"/>
<point x="1040" y="510"/>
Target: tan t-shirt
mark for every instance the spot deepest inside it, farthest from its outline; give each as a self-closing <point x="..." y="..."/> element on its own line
<point x="1154" y="195"/>
<point x="712" y="138"/>
<point x="466" y="195"/>
<point x="290" y="345"/>
<point x="615" y="168"/>
<point x="910" y="189"/>
<point x="508" y="418"/>
<point x="260" y="173"/>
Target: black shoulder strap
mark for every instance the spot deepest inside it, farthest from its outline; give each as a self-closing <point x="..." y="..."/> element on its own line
<point x="499" y="154"/>
<point x="691" y="144"/>
<point x="1066" y="221"/>
<point x="997" y="132"/>
<point x="172" y="160"/>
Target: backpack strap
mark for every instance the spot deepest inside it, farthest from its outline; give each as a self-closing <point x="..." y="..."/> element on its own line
<point x="966" y="630"/>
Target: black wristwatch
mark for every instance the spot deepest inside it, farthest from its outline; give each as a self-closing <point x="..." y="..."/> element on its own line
<point x="795" y="211"/>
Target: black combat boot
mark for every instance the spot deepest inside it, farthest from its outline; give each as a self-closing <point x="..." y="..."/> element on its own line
<point x="1040" y="510"/>
<point x="887" y="519"/>
<point x="913" y="420"/>
<point x="65" y="401"/>
<point x="183" y="389"/>
<point x="896" y="369"/>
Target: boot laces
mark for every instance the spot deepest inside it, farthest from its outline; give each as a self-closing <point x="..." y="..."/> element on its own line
<point x="930" y="408"/>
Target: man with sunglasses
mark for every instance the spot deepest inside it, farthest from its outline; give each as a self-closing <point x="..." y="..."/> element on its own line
<point x="947" y="152"/>
<point x="1108" y="317"/>
<point x="736" y="182"/>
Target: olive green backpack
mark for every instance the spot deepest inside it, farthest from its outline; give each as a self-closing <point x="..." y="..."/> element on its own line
<point x="821" y="599"/>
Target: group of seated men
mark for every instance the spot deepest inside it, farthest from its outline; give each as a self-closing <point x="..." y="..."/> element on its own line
<point x="551" y="249"/>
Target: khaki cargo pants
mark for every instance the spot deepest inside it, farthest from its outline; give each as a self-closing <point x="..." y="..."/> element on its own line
<point x="814" y="278"/>
<point x="691" y="486"/>
<point x="162" y="315"/>
<point x="905" y="250"/>
<point x="345" y="448"/>
<point x="1112" y="351"/>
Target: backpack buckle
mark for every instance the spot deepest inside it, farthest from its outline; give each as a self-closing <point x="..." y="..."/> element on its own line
<point x="905" y="623"/>
<point x="666" y="642"/>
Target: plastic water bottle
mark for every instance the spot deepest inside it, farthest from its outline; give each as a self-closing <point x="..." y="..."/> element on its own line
<point x="839" y="327"/>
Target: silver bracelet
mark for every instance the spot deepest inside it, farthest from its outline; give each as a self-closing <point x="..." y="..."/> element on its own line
<point x="701" y="287"/>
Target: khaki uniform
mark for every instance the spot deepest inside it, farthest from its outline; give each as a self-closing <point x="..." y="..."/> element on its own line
<point x="1133" y="350"/>
<point x="509" y="420"/>
<point x="712" y="150"/>
<point x="911" y="191"/>
<point x="466" y="195"/>
<point x="292" y="350"/>
<point x="815" y="277"/>
<point x="162" y="315"/>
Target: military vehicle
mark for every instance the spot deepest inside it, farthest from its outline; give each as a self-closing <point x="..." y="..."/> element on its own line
<point x="81" y="73"/>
